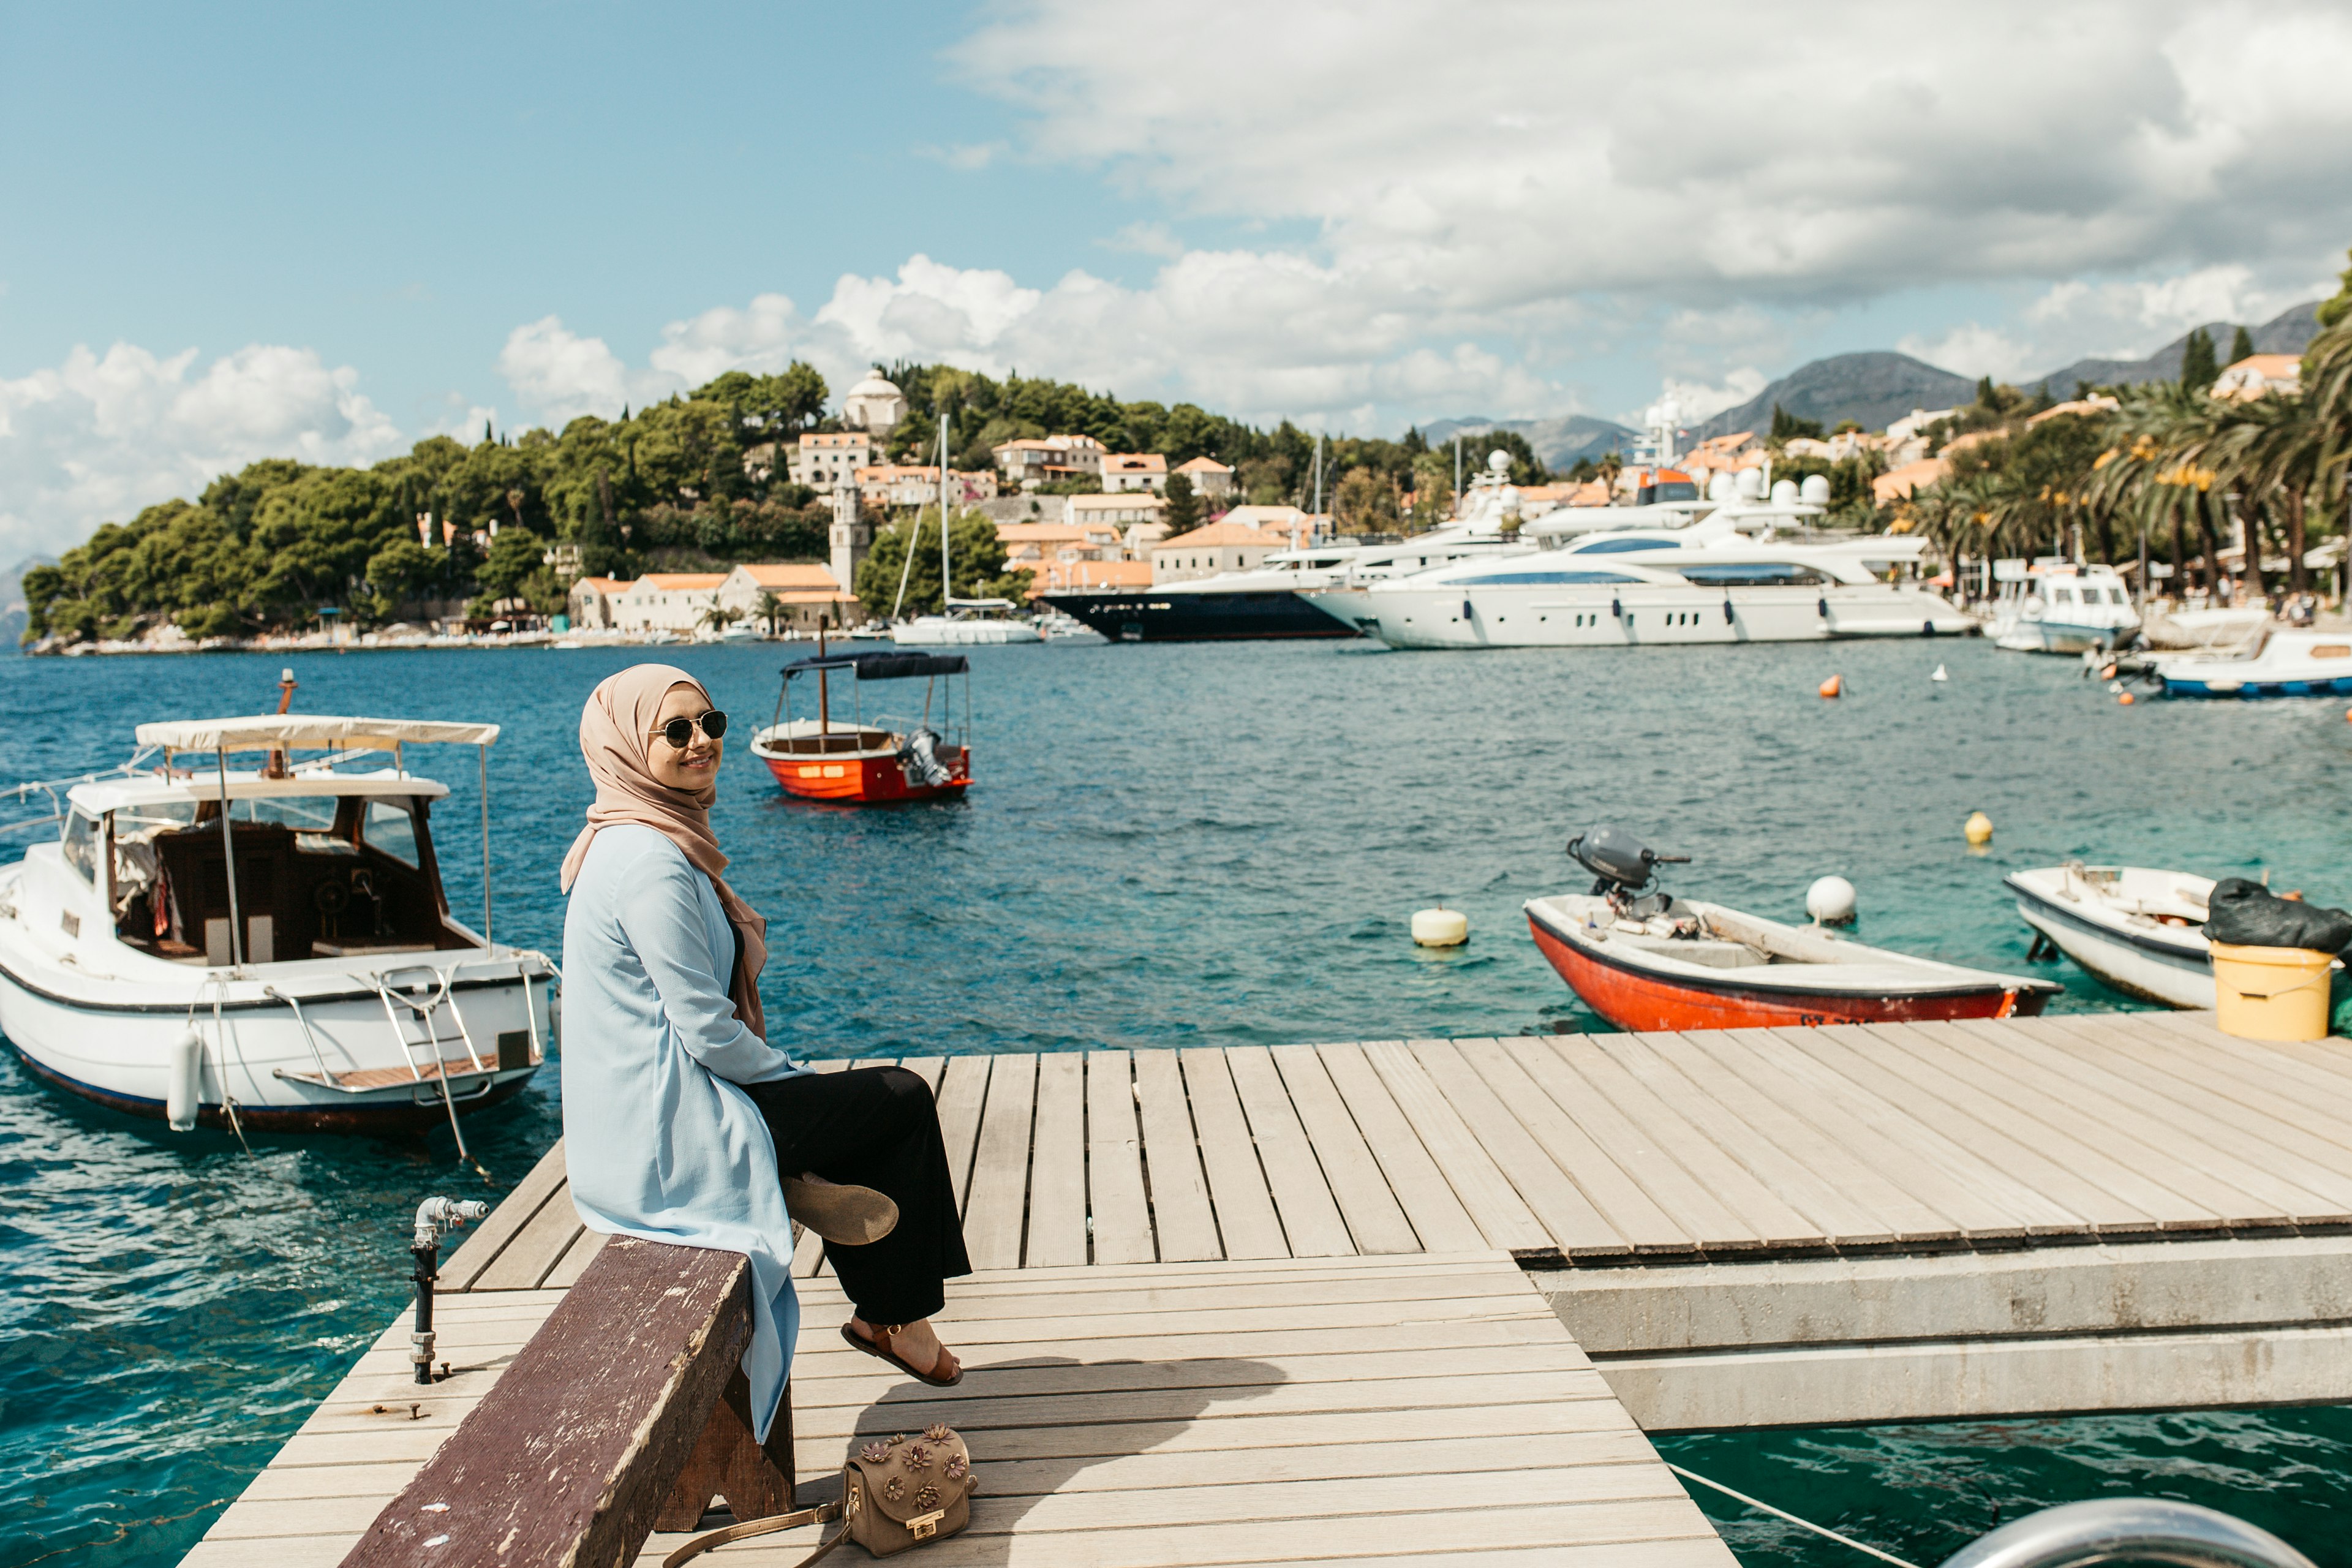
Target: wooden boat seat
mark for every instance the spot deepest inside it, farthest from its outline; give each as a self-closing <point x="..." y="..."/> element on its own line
<point x="1714" y="954"/>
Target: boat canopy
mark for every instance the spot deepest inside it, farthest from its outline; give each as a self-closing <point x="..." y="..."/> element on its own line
<point x="879" y="665"/>
<point x="280" y="729"/>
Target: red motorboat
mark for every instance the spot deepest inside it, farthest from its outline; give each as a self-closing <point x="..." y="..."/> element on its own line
<point x="861" y="764"/>
<point x="1645" y="960"/>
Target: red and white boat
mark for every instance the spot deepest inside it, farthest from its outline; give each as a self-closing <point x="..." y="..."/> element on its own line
<point x="1648" y="961"/>
<point x="861" y="764"/>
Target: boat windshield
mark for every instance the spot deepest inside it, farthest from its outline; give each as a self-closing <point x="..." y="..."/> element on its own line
<point x="1753" y="574"/>
<point x="1524" y="579"/>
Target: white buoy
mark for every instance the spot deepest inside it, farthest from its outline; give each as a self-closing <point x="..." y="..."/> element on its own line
<point x="1830" y="901"/>
<point x="1440" y="927"/>
<point x="186" y="1085"/>
<point x="1939" y="674"/>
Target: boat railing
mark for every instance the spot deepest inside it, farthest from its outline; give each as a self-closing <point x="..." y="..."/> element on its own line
<point x="53" y="790"/>
<point x="2129" y="1530"/>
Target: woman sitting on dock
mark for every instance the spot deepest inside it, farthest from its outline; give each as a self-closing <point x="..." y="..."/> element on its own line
<point x="679" y="1116"/>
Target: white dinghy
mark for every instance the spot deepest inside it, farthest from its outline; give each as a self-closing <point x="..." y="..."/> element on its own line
<point x="265" y="947"/>
<point x="2140" y="929"/>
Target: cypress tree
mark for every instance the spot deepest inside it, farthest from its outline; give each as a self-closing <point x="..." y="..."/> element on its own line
<point x="2242" y="346"/>
<point x="2198" y="369"/>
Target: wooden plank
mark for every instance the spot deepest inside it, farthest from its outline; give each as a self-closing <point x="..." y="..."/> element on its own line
<point x="1859" y="1054"/>
<point x="2271" y="1137"/>
<point x="2198" y="1133"/>
<point x="2316" y="1090"/>
<point x="1881" y="1135"/>
<point x="524" y="1262"/>
<point x="2263" y="1082"/>
<point x="1000" y="1173"/>
<point x="1248" y="1226"/>
<point x="603" y="1408"/>
<point x="1426" y="1191"/>
<point x="1837" y="1213"/>
<point x="576" y="1259"/>
<point x="1311" y="1222"/>
<point x="514" y="1211"/>
<point x="963" y="1090"/>
<point x="1184" y="1224"/>
<point x="928" y="1069"/>
<point x="1697" y="1212"/>
<point x="2168" y="1147"/>
<point x="1376" y="1221"/>
<point x="1597" y="1060"/>
<point x="1629" y="1210"/>
<point x="1504" y="1217"/>
<point x="1121" y="1214"/>
<point x="1057" y="1164"/>
<point x="2178" y="1199"/>
<point x="1575" y="1228"/>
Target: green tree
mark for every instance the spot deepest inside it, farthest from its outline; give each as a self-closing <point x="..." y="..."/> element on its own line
<point x="2198" y="369"/>
<point x="2334" y="309"/>
<point x="2242" y="346"/>
<point x="1364" y="502"/>
<point x="400" y="573"/>
<point x="1183" y="514"/>
<point x="978" y="562"/>
<point x="514" y="556"/>
<point x="1787" y="426"/>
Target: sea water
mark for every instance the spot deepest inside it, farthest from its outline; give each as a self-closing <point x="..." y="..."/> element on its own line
<point x="1165" y="846"/>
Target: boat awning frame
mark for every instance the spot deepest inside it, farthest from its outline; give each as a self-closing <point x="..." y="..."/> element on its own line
<point x="278" y="731"/>
<point x="884" y="666"/>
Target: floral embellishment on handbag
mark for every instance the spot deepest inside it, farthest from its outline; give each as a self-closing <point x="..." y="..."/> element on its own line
<point x="927" y="1497"/>
<point x="957" y="1467"/>
<point x="938" y="1432"/>
<point x="895" y="1488"/>
<point x="875" y="1453"/>
<point x="918" y="1457"/>
<point x="896" y="1438"/>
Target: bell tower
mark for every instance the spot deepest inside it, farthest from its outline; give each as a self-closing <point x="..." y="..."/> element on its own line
<point x="852" y="537"/>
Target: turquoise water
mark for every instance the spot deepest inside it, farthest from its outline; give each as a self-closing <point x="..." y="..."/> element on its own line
<point x="1166" y="845"/>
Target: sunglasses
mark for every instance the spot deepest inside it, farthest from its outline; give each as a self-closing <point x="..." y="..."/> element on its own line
<point x="679" y="733"/>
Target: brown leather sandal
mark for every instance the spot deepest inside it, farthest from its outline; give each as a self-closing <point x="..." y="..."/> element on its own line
<point x="879" y="1348"/>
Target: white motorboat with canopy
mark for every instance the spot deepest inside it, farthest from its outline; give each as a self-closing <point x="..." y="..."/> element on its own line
<point x="265" y="947"/>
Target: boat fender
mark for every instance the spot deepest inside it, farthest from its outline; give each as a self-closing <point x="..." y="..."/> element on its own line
<point x="1440" y="927"/>
<point x="1727" y="609"/>
<point x="1616" y="607"/>
<point x="1465" y="609"/>
<point x="184" y="1088"/>
<point x="1821" y="606"/>
<point x="1831" y="902"/>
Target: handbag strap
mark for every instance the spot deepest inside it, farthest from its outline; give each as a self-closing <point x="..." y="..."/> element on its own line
<point x="820" y="1514"/>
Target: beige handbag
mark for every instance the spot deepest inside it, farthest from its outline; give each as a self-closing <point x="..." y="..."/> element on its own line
<point x="894" y="1495"/>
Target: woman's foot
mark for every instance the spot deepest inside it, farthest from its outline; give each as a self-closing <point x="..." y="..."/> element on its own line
<point x="915" y="1347"/>
<point x="853" y="1217"/>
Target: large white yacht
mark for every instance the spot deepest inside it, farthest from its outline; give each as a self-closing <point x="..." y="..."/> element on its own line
<point x="1651" y="575"/>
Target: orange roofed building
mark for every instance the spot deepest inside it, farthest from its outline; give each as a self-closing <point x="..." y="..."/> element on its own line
<point x="667" y="601"/>
<point x="1205" y="552"/>
<point x="806" y="591"/>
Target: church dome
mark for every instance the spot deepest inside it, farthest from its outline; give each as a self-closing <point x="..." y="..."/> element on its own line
<point x="875" y="386"/>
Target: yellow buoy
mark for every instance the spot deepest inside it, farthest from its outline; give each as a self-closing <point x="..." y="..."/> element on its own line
<point x="1979" y="827"/>
<point x="1440" y="927"/>
<point x="1833" y="685"/>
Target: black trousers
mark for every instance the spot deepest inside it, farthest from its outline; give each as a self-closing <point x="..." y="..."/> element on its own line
<point x="876" y="1127"/>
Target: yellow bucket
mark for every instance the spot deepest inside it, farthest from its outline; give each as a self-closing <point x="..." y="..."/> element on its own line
<point x="2271" y="992"/>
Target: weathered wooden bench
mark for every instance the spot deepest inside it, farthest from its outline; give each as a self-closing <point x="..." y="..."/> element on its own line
<point x="626" y="1413"/>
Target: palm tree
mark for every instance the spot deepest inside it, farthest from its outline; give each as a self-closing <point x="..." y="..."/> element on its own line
<point x="770" y="608"/>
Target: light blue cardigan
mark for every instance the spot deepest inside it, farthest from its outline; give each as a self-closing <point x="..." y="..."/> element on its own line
<point x="658" y="1141"/>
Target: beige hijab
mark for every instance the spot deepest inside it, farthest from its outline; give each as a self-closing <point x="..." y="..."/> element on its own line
<point x="615" y="731"/>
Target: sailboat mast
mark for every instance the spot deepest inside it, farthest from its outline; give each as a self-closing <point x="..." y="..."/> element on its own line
<point x="947" y="581"/>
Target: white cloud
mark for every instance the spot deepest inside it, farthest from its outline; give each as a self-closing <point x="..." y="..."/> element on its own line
<point x="97" y="437"/>
<point x="1700" y="401"/>
<point x="1974" y="350"/>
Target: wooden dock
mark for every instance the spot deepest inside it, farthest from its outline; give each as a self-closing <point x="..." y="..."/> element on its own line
<point x="1281" y="1305"/>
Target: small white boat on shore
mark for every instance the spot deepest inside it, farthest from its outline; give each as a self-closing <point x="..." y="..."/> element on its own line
<point x="2277" y="661"/>
<point x="2139" y="930"/>
<point x="264" y="948"/>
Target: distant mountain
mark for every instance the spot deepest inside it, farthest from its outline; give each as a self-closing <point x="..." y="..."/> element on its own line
<point x="1558" y="442"/>
<point x="1868" y="388"/>
<point x="2288" y="333"/>
<point x="12" y="600"/>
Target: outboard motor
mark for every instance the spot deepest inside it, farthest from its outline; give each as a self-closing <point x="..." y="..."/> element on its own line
<point x="918" y="759"/>
<point x="1623" y="867"/>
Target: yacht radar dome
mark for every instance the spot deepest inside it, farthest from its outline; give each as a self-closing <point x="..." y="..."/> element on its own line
<point x="1815" y="490"/>
<point x="1498" y="461"/>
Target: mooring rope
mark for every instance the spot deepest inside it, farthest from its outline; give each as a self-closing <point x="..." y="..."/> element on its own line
<point x="1792" y="1518"/>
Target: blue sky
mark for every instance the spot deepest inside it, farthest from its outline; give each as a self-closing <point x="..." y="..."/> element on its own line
<point x="246" y="230"/>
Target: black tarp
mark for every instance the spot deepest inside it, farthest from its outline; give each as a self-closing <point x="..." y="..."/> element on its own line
<point x="884" y="666"/>
<point x="2246" y="914"/>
